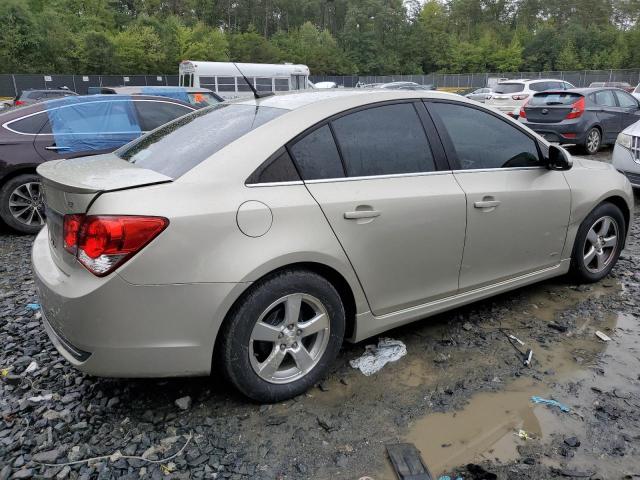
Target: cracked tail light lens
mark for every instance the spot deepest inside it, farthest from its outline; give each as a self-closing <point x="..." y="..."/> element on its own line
<point x="105" y="242"/>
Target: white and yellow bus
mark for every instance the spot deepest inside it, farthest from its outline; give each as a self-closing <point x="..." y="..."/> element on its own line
<point x="226" y="79"/>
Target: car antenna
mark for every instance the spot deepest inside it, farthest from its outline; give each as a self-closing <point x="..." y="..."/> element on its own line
<point x="257" y="95"/>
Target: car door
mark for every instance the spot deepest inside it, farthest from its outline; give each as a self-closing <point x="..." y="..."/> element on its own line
<point x="629" y="108"/>
<point x="155" y="113"/>
<point x="517" y="210"/>
<point x="394" y="206"/>
<point x="608" y="113"/>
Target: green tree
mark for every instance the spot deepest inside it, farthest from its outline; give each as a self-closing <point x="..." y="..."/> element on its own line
<point x="137" y="50"/>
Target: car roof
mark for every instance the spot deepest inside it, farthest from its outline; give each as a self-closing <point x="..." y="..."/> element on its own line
<point x="160" y="88"/>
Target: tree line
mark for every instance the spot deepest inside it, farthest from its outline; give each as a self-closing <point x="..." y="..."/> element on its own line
<point x="340" y="37"/>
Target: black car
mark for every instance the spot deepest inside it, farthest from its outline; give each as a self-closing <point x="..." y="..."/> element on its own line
<point x="27" y="97"/>
<point x="66" y="128"/>
<point x="196" y="96"/>
<point x="588" y="117"/>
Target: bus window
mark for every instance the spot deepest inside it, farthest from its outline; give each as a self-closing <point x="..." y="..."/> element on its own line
<point x="264" y="84"/>
<point x="298" y="82"/>
<point x="208" y="82"/>
<point x="227" y="84"/>
<point x="282" y="84"/>
<point x="242" y="84"/>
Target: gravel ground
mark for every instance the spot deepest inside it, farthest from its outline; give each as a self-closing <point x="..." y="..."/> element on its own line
<point x="460" y="394"/>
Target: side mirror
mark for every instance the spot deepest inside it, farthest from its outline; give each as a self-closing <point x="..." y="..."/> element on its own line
<point x="558" y="159"/>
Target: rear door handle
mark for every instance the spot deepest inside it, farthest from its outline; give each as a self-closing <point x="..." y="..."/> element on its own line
<point x="361" y="214"/>
<point x="487" y="204"/>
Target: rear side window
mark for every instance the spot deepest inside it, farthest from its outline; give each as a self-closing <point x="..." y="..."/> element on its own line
<point x="509" y="88"/>
<point x="383" y="140"/>
<point x="482" y="140"/>
<point x="541" y="86"/>
<point x="317" y="156"/>
<point x="279" y="168"/>
<point x="604" y="98"/>
<point x="32" y="125"/>
<point x="177" y="147"/>
<point x="154" y="114"/>
<point x="544" y="99"/>
<point x="626" y="100"/>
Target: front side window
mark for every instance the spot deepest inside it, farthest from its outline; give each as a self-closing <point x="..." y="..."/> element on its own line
<point x="626" y="100"/>
<point x="177" y="147"/>
<point x="317" y="156"/>
<point x="481" y="140"/>
<point x="605" y="98"/>
<point x="154" y="114"/>
<point x="383" y="140"/>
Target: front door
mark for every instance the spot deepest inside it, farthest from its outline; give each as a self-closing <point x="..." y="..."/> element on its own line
<point x="517" y="210"/>
<point x="400" y="220"/>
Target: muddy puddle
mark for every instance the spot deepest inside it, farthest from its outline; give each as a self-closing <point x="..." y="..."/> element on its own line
<point x="487" y="428"/>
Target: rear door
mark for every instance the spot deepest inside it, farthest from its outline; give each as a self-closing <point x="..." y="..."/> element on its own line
<point x="377" y="175"/>
<point x="608" y="113"/>
<point x="629" y="108"/>
<point x="517" y="210"/>
<point x="87" y="128"/>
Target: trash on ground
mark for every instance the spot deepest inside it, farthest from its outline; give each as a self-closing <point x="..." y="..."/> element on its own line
<point x="527" y="358"/>
<point x="40" y="398"/>
<point x="376" y="357"/>
<point x="33" y="306"/>
<point x="602" y="336"/>
<point x="33" y="366"/>
<point x="550" y="403"/>
<point x="513" y="337"/>
<point x="558" y="327"/>
<point x="447" y="477"/>
<point x="407" y="462"/>
<point x="524" y="435"/>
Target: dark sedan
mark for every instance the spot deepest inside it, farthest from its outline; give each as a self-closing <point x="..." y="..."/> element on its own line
<point x="67" y="128"/>
<point x="587" y="117"/>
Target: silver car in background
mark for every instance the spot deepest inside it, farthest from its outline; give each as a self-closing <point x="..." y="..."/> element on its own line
<point x="258" y="235"/>
<point x="626" y="154"/>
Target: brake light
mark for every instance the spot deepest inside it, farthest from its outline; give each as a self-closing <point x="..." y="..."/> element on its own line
<point x="522" y="96"/>
<point x="577" y="109"/>
<point x="102" y="243"/>
<point x="522" y="113"/>
<point x="17" y="103"/>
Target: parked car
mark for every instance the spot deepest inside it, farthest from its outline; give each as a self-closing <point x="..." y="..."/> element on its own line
<point x="404" y="86"/>
<point x="321" y="85"/>
<point x="622" y="85"/>
<point x="256" y="235"/>
<point x="29" y="97"/>
<point x="588" y="117"/>
<point x="480" y="94"/>
<point x="66" y="128"/>
<point x="626" y="153"/>
<point x="509" y="96"/>
<point x="636" y="92"/>
<point x="196" y="96"/>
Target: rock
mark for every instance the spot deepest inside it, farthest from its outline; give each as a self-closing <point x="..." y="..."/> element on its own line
<point x="5" y="473"/>
<point x="341" y="460"/>
<point x="302" y="468"/>
<point x="323" y="386"/>
<point x="467" y="326"/>
<point x="558" y="327"/>
<point x="49" y="456"/>
<point x="441" y="358"/>
<point x="21" y="474"/>
<point x="12" y="379"/>
<point x="64" y="473"/>
<point x="572" y="442"/>
<point x="113" y="402"/>
<point x="183" y="403"/>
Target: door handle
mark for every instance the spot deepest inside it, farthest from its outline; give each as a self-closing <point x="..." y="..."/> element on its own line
<point x="487" y="204"/>
<point x="55" y="149"/>
<point x="358" y="214"/>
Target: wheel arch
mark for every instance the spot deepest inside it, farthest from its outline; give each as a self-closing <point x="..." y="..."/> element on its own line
<point x="22" y="170"/>
<point x="624" y="208"/>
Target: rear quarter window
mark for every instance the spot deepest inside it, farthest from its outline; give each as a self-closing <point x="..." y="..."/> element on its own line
<point x="32" y="124"/>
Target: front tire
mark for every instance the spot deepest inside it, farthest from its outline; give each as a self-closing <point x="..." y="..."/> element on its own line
<point x="21" y="203"/>
<point x="282" y="337"/>
<point x="598" y="243"/>
<point x="592" y="142"/>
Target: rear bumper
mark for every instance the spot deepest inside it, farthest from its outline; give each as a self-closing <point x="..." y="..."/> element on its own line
<point x="109" y="327"/>
<point x="559" y="132"/>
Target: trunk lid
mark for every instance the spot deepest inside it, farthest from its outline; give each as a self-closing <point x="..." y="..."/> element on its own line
<point x="69" y="186"/>
<point x="550" y="107"/>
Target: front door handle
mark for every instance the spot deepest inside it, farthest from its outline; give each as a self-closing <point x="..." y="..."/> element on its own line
<point x="487" y="204"/>
<point x="358" y="214"/>
<point x="54" y="148"/>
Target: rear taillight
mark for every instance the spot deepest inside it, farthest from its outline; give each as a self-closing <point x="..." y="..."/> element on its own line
<point x="17" y="103"/>
<point x="522" y="113"/>
<point x="521" y="96"/>
<point x="104" y="242"/>
<point x="577" y="109"/>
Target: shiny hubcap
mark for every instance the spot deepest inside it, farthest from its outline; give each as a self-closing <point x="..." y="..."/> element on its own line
<point x="26" y="205"/>
<point x="289" y="338"/>
<point x="601" y="244"/>
<point x="593" y="141"/>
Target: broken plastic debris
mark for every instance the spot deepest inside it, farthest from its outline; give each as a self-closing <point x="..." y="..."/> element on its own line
<point x="33" y="306"/>
<point x="602" y="336"/>
<point x="550" y="403"/>
<point x="513" y="337"/>
<point x="447" y="477"/>
<point x="376" y="357"/>
<point x="33" y="366"/>
<point x="4" y="372"/>
<point x="527" y="358"/>
<point x="523" y="434"/>
<point x="40" y="398"/>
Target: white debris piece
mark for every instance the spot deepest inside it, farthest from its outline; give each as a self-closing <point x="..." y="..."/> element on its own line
<point x="33" y="366"/>
<point x="602" y="336"/>
<point x="376" y="357"/>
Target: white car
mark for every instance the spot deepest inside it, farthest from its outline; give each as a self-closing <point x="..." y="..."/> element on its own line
<point x="636" y="92"/>
<point x="509" y="96"/>
<point x="626" y="153"/>
<point x="325" y="85"/>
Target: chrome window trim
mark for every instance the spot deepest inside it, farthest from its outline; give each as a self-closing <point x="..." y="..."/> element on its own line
<point x="376" y="177"/>
<point x="274" y="184"/>
<point x="498" y="169"/>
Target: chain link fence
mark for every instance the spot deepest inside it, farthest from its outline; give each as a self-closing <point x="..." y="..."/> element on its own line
<point x="11" y="85"/>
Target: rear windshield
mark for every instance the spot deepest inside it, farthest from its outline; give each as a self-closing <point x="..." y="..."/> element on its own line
<point x="560" y="98"/>
<point x="178" y="146"/>
<point x="509" y="88"/>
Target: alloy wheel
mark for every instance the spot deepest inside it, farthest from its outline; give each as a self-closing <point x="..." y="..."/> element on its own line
<point x="26" y="204"/>
<point x="289" y="338"/>
<point x="601" y="244"/>
<point x="593" y="141"/>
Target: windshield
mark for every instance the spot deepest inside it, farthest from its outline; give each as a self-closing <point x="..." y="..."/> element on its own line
<point x="177" y="147"/>
<point x="202" y="99"/>
<point x="560" y="98"/>
<point x="509" y="88"/>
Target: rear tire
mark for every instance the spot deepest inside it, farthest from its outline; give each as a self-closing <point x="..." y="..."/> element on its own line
<point x="21" y="204"/>
<point x="598" y="243"/>
<point x="282" y="337"/>
<point x="593" y="141"/>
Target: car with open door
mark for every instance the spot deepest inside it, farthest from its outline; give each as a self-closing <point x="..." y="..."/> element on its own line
<point x="253" y="237"/>
<point x="66" y="128"/>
